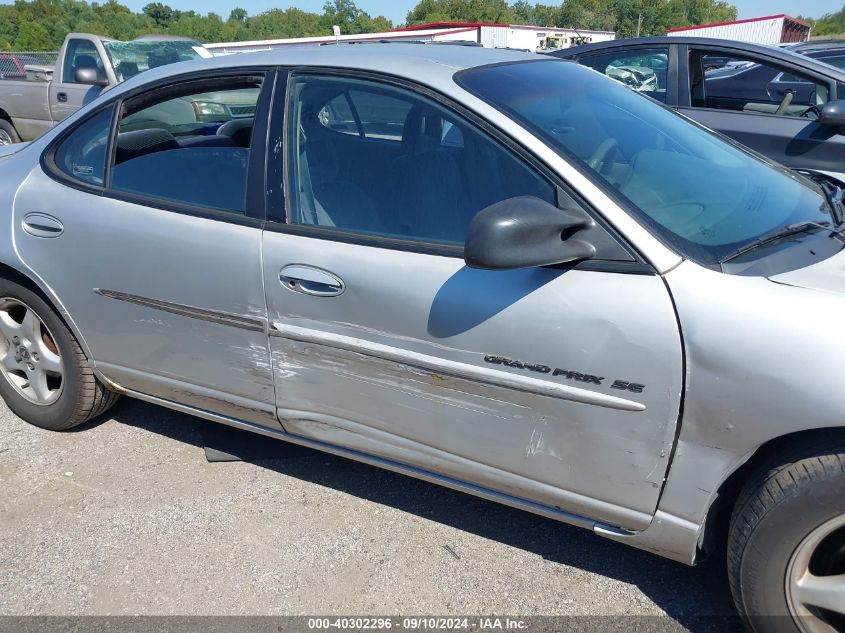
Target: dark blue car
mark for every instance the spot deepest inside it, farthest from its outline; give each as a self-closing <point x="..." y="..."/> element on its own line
<point x="787" y="103"/>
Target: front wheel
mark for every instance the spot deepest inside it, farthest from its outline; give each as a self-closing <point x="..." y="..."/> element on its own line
<point x="786" y="547"/>
<point x="44" y="375"/>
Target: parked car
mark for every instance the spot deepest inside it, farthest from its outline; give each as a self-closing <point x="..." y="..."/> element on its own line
<point x="13" y="66"/>
<point x="87" y="64"/>
<point x="828" y="51"/>
<point x="499" y="272"/>
<point x="778" y="102"/>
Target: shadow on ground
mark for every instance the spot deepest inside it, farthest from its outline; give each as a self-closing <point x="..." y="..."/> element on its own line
<point x="698" y="598"/>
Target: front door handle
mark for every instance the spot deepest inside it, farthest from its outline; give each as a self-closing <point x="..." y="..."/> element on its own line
<point x="61" y="97"/>
<point x="42" y="225"/>
<point x="311" y="280"/>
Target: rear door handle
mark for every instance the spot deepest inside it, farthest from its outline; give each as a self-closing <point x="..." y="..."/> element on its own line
<point x="61" y="97"/>
<point x="42" y="225"/>
<point x="311" y="280"/>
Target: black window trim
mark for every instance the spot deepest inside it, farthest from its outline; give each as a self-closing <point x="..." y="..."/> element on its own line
<point x="279" y="223"/>
<point x="256" y="199"/>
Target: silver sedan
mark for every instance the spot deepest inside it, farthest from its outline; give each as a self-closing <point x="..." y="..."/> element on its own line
<point x="503" y="273"/>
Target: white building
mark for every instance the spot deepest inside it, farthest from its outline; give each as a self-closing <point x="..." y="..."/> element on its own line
<point x="530" y="38"/>
<point x="770" y="29"/>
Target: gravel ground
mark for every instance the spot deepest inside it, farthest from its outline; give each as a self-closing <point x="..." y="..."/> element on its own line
<point x="126" y="516"/>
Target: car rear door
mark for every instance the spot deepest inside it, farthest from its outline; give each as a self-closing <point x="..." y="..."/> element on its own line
<point x="556" y="389"/>
<point x="150" y="236"/>
<point x="743" y="105"/>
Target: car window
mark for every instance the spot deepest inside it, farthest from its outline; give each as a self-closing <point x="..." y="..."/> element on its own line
<point x="643" y="69"/>
<point x="82" y="155"/>
<point x="81" y="54"/>
<point x="703" y="195"/>
<point x="364" y="114"/>
<point x="418" y="171"/>
<point x="192" y="147"/>
<point x="752" y="86"/>
<point x="837" y="61"/>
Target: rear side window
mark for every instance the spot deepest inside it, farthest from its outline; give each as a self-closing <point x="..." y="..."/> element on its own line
<point x="190" y="147"/>
<point x="82" y="155"/>
<point x="643" y="69"/>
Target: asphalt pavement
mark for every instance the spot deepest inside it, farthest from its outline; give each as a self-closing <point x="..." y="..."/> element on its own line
<point x="125" y="515"/>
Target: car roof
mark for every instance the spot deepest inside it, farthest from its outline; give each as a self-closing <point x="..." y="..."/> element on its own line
<point x="430" y="64"/>
<point x="774" y="52"/>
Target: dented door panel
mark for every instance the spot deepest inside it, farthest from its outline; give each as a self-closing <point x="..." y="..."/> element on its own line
<point x="561" y="387"/>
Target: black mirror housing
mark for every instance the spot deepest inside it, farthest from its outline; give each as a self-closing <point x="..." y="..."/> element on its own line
<point x="524" y="232"/>
<point x="89" y="76"/>
<point x="832" y="114"/>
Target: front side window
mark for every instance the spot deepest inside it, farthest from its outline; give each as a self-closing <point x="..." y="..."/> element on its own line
<point x="191" y="147"/>
<point x="643" y="69"/>
<point x="702" y="194"/>
<point x="754" y="87"/>
<point x="377" y="159"/>
<point x="82" y="155"/>
<point x="81" y="54"/>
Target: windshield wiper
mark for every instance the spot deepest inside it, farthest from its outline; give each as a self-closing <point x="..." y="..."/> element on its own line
<point x="835" y="194"/>
<point x="779" y="234"/>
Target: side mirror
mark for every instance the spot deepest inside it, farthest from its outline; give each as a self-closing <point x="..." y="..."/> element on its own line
<point x="525" y="232"/>
<point x="833" y="114"/>
<point x="89" y="76"/>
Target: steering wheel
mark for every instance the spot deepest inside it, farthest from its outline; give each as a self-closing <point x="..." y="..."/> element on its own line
<point x="598" y="161"/>
<point x="812" y="112"/>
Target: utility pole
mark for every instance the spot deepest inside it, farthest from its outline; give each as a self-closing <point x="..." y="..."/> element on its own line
<point x="639" y="24"/>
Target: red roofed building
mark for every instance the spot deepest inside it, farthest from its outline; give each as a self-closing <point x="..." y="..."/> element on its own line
<point x="770" y="29"/>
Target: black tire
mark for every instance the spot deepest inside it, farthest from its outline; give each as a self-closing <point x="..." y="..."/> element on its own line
<point x="787" y="500"/>
<point x="10" y="130"/>
<point x="82" y="396"/>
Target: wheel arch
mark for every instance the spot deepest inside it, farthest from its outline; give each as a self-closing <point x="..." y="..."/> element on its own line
<point x="29" y="281"/>
<point x="775" y="451"/>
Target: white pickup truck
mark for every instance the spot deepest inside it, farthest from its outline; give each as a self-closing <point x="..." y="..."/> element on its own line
<point x="87" y="65"/>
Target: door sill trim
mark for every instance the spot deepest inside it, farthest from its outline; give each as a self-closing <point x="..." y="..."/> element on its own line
<point x="397" y="467"/>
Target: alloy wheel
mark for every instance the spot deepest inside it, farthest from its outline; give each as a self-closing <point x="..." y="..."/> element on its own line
<point x="815" y="579"/>
<point x="29" y="358"/>
<point x="5" y="138"/>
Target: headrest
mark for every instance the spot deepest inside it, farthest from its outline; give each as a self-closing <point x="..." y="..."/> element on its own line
<point x="140" y="142"/>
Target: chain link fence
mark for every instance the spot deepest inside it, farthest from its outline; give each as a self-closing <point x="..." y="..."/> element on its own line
<point x="13" y="64"/>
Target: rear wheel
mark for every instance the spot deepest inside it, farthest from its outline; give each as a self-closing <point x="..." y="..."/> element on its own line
<point x="8" y="134"/>
<point x="44" y="375"/>
<point x="786" y="548"/>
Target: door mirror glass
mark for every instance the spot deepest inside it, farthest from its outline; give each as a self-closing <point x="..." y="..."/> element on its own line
<point x="89" y="76"/>
<point x="524" y="232"/>
<point x="833" y="114"/>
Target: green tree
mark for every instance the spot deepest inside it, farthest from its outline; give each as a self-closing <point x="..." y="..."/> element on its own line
<point x="33" y="36"/>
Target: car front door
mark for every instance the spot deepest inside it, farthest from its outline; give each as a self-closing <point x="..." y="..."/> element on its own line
<point x="765" y="106"/>
<point x="557" y="387"/>
<point x="155" y="253"/>
<point x="67" y="95"/>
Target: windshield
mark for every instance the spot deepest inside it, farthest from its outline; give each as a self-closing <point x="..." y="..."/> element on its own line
<point x="703" y="195"/>
<point x="130" y="58"/>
